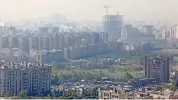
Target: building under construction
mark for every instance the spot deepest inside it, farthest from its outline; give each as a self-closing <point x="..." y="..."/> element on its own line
<point x="113" y="25"/>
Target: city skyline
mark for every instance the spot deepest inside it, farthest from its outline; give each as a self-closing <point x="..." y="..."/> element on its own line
<point x="88" y="49"/>
<point x="79" y="10"/>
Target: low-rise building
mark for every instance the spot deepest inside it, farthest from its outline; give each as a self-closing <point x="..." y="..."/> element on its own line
<point x="153" y="94"/>
<point x="111" y="94"/>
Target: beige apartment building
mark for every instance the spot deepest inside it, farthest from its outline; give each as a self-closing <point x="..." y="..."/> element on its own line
<point x="111" y="94"/>
<point x="15" y="77"/>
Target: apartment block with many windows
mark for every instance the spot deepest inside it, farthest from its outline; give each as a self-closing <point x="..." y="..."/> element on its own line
<point x="16" y="77"/>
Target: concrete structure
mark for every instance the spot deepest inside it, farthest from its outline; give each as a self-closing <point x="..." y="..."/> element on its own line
<point x="49" y="30"/>
<point x="148" y="29"/>
<point x="15" y="78"/>
<point x="148" y="93"/>
<point x="174" y="32"/>
<point x="13" y="42"/>
<point x="34" y="43"/>
<point x="113" y="25"/>
<point x="47" y="56"/>
<point x="44" y="30"/>
<point x="104" y="37"/>
<point x="24" y="44"/>
<point x="143" y="82"/>
<point x="4" y="42"/>
<point x="111" y="94"/>
<point x="167" y="33"/>
<point x="128" y="32"/>
<point x="6" y="29"/>
<point x="54" y="30"/>
<point x="78" y="45"/>
<point x="45" y="43"/>
<point x="158" y="68"/>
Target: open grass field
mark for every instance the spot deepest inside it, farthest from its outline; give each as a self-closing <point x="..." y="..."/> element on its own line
<point x="116" y="74"/>
<point x="167" y="51"/>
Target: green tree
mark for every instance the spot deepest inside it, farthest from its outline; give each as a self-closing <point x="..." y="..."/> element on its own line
<point x="69" y="92"/>
<point x="86" y="92"/>
<point x="2" y="94"/>
<point x="90" y="90"/>
<point x="172" y="86"/>
<point x="95" y="93"/>
<point x="55" y="79"/>
<point x="128" y="75"/>
<point x="23" y="94"/>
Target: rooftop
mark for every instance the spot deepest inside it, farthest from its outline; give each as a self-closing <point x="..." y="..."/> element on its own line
<point x="11" y="65"/>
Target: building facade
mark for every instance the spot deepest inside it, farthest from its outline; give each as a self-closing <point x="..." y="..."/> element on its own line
<point x="15" y="78"/>
<point x="113" y="25"/>
<point x="111" y="94"/>
<point x="158" y="68"/>
<point x="148" y="29"/>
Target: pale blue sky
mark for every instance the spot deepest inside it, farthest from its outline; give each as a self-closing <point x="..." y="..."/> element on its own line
<point x="89" y="9"/>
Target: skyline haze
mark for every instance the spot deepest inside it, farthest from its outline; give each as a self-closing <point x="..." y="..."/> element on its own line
<point x="79" y="10"/>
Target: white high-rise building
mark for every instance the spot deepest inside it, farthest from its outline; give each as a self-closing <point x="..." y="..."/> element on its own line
<point x="175" y="32"/>
<point x="113" y="25"/>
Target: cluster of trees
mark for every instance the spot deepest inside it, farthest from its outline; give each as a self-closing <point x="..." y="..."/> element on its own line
<point x="87" y="93"/>
<point x="125" y="68"/>
<point x="76" y="75"/>
<point x="82" y="65"/>
<point x="24" y="94"/>
<point x="130" y="68"/>
<point x="128" y="76"/>
<point x="93" y="65"/>
<point x="173" y="86"/>
<point x="90" y="93"/>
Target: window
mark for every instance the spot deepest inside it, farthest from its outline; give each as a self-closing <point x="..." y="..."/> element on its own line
<point x="115" y="97"/>
<point x="106" y="94"/>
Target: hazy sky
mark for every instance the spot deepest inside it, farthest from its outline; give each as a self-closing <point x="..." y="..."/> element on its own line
<point x="89" y="9"/>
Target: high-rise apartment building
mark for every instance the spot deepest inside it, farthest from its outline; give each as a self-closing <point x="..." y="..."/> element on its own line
<point x="13" y="42"/>
<point x="15" y="78"/>
<point x="113" y="25"/>
<point x="48" y="30"/>
<point x="24" y="43"/>
<point x="45" y="44"/>
<point x="173" y="32"/>
<point x="157" y="67"/>
<point x="4" y="29"/>
<point x="54" y="30"/>
<point x="34" y="43"/>
<point x="55" y="41"/>
<point x="148" y="29"/>
<point x="43" y="29"/>
<point x="128" y="32"/>
<point x="4" y="42"/>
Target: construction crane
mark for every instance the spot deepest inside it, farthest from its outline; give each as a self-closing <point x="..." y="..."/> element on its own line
<point x="107" y="8"/>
